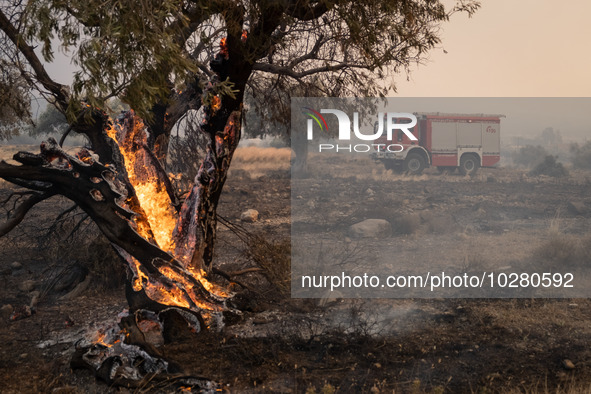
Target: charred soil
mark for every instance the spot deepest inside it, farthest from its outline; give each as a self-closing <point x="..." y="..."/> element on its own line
<point x="499" y="217"/>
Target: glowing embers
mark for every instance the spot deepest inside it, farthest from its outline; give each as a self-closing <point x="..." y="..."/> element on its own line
<point x="176" y="286"/>
<point x="216" y="104"/>
<point x="125" y="353"/>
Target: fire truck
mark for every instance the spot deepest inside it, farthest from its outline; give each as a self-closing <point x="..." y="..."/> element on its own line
<point x="446" y="141"/>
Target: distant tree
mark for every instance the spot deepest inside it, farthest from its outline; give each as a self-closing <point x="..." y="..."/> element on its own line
<point x="550" y="137"/>
<point x="50" y="122"/>
<point x="581" y="155"/>
<point x="15" y="101"/>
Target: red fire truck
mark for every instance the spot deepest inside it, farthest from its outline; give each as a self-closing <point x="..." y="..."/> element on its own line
<point x="446" y="141"/>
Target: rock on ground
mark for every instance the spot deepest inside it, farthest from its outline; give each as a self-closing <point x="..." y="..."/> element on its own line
<point x="250" y="215"/>
<point x="371" y="228"/>
<point x="27" y="285"/>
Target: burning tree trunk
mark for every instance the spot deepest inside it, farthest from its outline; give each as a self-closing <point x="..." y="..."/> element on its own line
<point x="122" y="185"/>
<point x="133" y="205"/>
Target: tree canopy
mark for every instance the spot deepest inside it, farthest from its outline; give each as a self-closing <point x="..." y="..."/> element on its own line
<point x="145" y="51"/>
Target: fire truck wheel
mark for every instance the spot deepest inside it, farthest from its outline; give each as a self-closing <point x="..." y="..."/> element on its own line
<point x="414" y="164"/>
<point x="469" y="165"/>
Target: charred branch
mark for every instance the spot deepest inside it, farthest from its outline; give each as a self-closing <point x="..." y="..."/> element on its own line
<point x="95" y="189"/>
<point x="21" y="211"/>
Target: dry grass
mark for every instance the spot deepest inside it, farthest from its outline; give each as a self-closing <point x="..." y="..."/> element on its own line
<point x="255" y="161"/>
<point x="561" y="250"/>
<point x="255" y="154"/>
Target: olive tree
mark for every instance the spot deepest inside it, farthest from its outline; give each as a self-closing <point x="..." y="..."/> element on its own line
<point x="189" y="61"/>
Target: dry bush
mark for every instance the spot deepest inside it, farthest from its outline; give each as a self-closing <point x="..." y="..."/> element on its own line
<point x="473" y="263"/>
<point x="70" y="242"/>
<point x="104" y="263"/>
<point x="438" y="224"/>
<point x="407" y="224"/>
<point x="274" y="257"/>
<point x="529" y="156"/>
<point x="562" y="250"/>
<point x="581" y="155"/>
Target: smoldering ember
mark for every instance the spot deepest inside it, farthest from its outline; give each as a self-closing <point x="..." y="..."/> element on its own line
<point x="145" y="250"/>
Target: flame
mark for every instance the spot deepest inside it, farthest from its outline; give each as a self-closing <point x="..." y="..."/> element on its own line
<point x="150" y="191"/>
<point x="112" y="132"/>
<point x="244" y="36"/>
<point x="101" y="339"/>
<point x="224" y="47"/>
<point x="159" y="212"/>
<point x="160" y="222"/>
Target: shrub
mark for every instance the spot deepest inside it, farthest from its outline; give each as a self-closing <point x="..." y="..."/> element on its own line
<point x="550" y="167"/>
<point x="274" y="257"/>
<point x="562" y="251"/>
<point x="530" y="156"/>
<point x="407" y="224"/>
<point x="581" y="155"/>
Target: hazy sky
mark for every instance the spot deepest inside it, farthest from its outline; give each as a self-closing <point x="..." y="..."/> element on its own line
<point x="510" y="48"/>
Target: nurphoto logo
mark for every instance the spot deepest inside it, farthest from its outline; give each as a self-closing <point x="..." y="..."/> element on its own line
<point x="392" y="120"/>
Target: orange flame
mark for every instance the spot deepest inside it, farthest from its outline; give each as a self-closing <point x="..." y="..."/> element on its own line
<point x="151" y="194"/>
<point x="101" y="339"/>
<point x="161" y="220"/>
<point x="224" y="47"/>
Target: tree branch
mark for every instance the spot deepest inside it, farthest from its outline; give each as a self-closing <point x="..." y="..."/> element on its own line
<point x="305" y="11"/>
<point x="57" y="90"/>
<point x="21" y="211"/>
<point x="282" y="70"/>
<point x="310" y="55"/>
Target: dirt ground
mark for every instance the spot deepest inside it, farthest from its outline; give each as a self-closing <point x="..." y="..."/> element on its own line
<point x="498" y="218"/>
